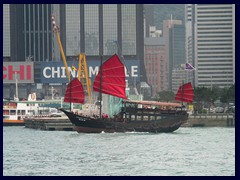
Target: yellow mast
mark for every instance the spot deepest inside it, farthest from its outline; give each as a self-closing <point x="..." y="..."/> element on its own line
<point x="55" y="28"/>
<point x="83" y="75"/>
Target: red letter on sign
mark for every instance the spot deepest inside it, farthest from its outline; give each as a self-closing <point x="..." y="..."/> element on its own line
<point x="20" y="72"/>
<point x="4" y="75"/>
<point x="28" y="72"/>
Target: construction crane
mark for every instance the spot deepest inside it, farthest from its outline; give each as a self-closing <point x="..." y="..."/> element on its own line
<point x="55" y="28"/>
<point x="82" y="65"/>
<point x="83" y="76"/>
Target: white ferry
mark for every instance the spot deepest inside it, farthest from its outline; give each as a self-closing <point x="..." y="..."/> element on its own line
<point x="15" y="111"/>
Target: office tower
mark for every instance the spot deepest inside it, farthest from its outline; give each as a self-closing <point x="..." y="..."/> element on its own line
<point x="213" y="29"/>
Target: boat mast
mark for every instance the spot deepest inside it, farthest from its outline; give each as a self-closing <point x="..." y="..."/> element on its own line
<point x="16" y="98"/>
<point x="70" y="96"/>
<point x="100" y="94"/>
<point x="182" y="91"/>
<point x="16" y="85"/>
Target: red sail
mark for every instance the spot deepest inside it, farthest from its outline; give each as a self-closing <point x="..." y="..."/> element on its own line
<point x="113" y="78"/>
<point x="75" y="92"/>
<point x="185" y="93"/>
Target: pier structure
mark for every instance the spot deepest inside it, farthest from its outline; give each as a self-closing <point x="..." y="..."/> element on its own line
<point x="211" y="120"/>
<point x="49" y="123"/>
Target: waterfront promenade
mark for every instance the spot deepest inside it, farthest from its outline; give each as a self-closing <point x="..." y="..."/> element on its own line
<point x="211" y="120"/>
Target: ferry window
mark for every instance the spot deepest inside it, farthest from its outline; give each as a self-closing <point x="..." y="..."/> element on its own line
<point x="12" y="112"/>
<point x="145" y="118"/>
<point x="23" y="112"/>
<point x="139" y="118"/>
<point x="152" y="118"/>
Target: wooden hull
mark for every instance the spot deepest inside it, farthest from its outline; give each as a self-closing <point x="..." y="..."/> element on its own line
<point x="165" y="122"/>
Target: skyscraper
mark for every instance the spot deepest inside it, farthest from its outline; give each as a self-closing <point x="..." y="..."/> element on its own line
<point x="213" y="34"/>
<point x="174" y="34"/>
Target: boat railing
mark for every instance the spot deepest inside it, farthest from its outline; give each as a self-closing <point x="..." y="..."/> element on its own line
<point x="150" y="110"/>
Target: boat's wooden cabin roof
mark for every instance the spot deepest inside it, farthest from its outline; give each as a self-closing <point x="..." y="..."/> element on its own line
<point x="153" y="103"/>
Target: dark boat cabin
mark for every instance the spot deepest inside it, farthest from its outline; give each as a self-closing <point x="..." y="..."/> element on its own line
<point x="148" y="111"/>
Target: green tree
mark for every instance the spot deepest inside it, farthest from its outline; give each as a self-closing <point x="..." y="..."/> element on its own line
<point x="212" y="94"/>
<point x="199" y="93"/>
<point x="204" y="95"/>
<point x="231" y="94"/>
<point x="228" y="94"/>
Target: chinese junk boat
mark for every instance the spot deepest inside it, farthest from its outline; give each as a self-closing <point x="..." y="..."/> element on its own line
<point x="138" y="116"/>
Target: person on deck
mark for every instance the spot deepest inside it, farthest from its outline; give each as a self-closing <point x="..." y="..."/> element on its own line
<point x="104" y="116"/>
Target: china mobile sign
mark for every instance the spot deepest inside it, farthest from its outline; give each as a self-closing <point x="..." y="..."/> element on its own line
<point x="54" y="72"/>
<point x="22" y="71"/>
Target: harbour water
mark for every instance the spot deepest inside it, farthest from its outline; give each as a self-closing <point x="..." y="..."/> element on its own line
<point x="185" y="152"/>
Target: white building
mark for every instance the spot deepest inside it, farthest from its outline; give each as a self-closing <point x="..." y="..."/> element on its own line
<point x="212" y="30"/>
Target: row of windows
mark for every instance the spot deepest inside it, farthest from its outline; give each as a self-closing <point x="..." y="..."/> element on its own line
<point x="213" y="61"/>
<point x="210" y="73"/>
<point x="219" y="24"/>
<point x="229" y="81"/>
<point x="214" y="19"/>
<point x="214" y="12"/>
<point x="154" y="48"/>
<point x="215" y="65"/>
<point x="217" y="36"/>
<point x="211" y="17"/>
<point x="214" y="56"/>
<point x="216" y="32"/>
<point x="215" y="45"/>
<point x="214" y="28"/>
<point x="230" y="48"/>
<point x="215" y="52"/>
<point x="215" y="40"/>
<point x="216" y="7"/>
<point x="218" y="68"/>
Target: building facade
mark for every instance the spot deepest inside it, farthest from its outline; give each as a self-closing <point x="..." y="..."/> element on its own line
<point x="176" y="49"/>
<point x="189" y="40"/>
<point x="178" y="77"/>
<point x="156" y="64"/>
<point x="167" y="34"/>
<point x="213" y="33"/>
<point x="93" y="29"/>
<point x="149" y="18"/>
<point x="6" y="32"/>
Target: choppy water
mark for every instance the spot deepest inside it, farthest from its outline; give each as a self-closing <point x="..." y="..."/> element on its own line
<point x="185" y="152"/>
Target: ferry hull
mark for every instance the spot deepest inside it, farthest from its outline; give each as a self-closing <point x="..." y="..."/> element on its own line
<point x="13" y="123"/>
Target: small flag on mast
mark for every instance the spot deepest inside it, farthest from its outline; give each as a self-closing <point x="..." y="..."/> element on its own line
<point x="189" y="67"/>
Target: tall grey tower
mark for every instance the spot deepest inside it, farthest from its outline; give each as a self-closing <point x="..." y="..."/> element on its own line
<point x="213" y="29"/>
